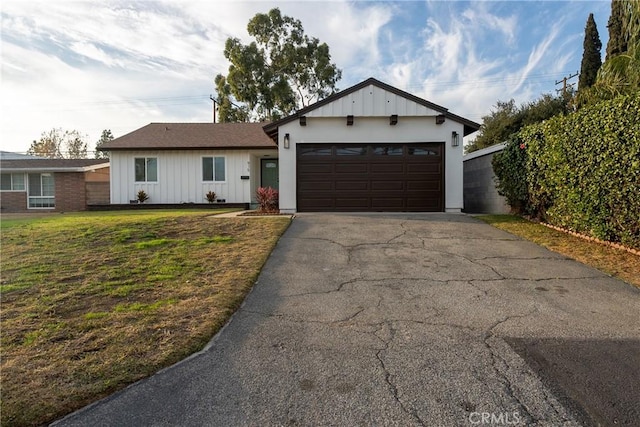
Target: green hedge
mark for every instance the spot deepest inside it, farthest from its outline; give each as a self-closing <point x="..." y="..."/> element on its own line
<point x="580" y="171"/>
<point x="509" y="166"/>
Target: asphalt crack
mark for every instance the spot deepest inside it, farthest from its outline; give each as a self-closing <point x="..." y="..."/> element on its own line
<point x="478" y="288"/>
<point x="295" y="319"/>
<point x="502" y="377"/>
<point x="339" y="288"/>
<point x="404" y="233"/>
<point x="388" y="376"/>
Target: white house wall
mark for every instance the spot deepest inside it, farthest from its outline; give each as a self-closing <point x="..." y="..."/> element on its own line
<point x="371" y="130"/>
<point x="371" y="101"/>
<point x="255" y="174"/>
<point x="180" y="176"/>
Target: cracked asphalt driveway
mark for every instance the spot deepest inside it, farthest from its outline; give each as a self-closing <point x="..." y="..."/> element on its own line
<point x="406" y="319"/>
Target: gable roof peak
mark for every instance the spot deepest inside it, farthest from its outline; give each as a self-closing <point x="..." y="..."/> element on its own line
<point x="469" y="126"/>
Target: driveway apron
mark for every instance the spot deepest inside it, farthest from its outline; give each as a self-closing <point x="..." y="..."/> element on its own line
<point x="405" y="319"/>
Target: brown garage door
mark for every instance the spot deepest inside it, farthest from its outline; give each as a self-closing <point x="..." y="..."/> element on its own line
<point x="370" y="177"/>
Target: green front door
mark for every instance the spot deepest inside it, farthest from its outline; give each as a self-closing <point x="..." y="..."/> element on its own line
<point x="269" y="173"/>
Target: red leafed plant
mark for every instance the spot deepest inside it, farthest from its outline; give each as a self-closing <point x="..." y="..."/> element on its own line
<point x="267" y="199"/>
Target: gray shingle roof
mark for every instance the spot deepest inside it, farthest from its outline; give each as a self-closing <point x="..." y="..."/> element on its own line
<point x="8" y="155"/>
<point x="177" y="136"/>
<point x="44" y="165"/>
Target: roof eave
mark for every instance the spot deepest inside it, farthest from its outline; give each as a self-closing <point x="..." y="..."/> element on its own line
<point x="53" y="170"/>
<point x="247" y="147"/>
<point x="97" y="166"/>
<point x="468" y="130"/>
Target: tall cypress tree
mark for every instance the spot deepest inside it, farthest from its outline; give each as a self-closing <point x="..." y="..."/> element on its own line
<point x="591" y="57"/>
<point x="617" y="43"/>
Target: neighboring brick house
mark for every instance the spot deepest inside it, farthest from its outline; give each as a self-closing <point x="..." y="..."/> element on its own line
<point x="60" y="185"/>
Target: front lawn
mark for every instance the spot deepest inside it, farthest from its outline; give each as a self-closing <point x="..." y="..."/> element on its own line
<point x="93" y="302"/>
<point x="615" y="262"/>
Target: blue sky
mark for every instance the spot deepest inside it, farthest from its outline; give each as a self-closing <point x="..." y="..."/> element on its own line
<point x="119" y="65"/>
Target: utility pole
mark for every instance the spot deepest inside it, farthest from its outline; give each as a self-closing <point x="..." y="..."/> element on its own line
<point x="216" y="104"/>
<point x="214" y="107"/>
<point x="564" y="83"/>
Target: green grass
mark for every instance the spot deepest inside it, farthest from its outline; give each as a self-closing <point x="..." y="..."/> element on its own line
<point x="91" y="302"/>
<point x="141" y="214"/>
<point x="91" y="315"/>
<point x="138" y="306"/>
<point x="615" y="262"/>
<point x="152" y="243"/>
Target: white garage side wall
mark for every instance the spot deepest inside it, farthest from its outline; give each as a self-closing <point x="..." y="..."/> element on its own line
<point x="371" y="130"/>
<point x="180" y="176"/>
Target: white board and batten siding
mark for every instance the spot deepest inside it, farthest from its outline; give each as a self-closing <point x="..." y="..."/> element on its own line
<point x="180" y="176"/>
<point x="372" y="101"/>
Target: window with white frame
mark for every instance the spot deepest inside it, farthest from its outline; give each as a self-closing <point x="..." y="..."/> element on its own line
<point x="213" y="169"/>
<point x="146" y="169"/>
<point x="12" y="182"/>
<point x="41" y="190"/>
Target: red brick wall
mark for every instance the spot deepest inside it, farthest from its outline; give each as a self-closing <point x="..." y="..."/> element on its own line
<point x="70" y="192"/>
<point x="13" y="201"/>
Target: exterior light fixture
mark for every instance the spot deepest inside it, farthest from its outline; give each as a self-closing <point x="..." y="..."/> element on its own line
<point x="455" y="139"/>
<point x="349" y="120"/>
<point x="303" y="120"/>
<point x="286" y="141"/>
<point x="440" y="119"/>
<point x="393" y="119"/>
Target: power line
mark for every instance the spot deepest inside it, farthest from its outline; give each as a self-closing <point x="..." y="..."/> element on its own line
<point x="215" y="103"/>
<point x="487" y="82"/>
<point x="90" y="105"/>
<point x="440" y="85"/>
<point x="131" y="100"/>
<point x="565" y="86"/>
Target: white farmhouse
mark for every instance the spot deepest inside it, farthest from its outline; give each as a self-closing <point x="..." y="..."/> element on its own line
<point x="177" y="163"/>
<point x="371" y="147"/>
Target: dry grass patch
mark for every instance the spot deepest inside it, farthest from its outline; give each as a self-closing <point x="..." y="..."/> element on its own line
<point x="91" y="303"/>
<point x="616" y="262"/>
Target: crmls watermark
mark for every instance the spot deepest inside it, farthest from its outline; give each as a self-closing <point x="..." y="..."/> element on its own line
<point x="501" y="418"/>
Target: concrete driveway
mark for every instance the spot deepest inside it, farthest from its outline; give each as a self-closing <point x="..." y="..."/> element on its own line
<point x="407" y="319"/>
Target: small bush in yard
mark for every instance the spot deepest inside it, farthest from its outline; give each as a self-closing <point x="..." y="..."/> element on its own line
<point x="210" y="196"/>
<point x="267" y="199"/>
<point x="142" y="196"/>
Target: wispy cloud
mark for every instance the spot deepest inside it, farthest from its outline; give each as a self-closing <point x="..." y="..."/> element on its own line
<point x="353" y="35"/>
<point x="472" y="55"/>
<point x="94" y="65"/>
<point x="479" y="20"/>
<point x="457" y="75"/>
<point x="536" y="55"/>
<point x="91" y="51"/>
